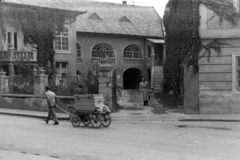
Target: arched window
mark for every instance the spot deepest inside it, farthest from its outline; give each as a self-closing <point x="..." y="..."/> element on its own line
<point x="149" y="51"/>
<point x="62" y="40"/>
<point x="102" y="50"/>
<point x="132" y="51"/>
<point x="79" y="54"/>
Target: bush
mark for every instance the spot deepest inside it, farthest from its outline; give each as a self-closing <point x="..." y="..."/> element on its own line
<point x="20" y="84"/>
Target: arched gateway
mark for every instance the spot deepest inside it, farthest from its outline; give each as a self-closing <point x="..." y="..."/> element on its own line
<point x="132" y="78"/>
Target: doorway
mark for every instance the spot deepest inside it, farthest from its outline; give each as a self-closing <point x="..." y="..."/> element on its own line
<point x="149" y="77"/>
<point x="131" y="78"/>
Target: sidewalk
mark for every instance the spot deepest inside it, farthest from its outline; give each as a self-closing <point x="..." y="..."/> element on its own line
<point x="211" y="117"/>
<point x="122" y="115"/>
<point x="135" y="115"/>
<point x="13" y="155"/>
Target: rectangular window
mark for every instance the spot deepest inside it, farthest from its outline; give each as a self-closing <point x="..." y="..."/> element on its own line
<point x="235" y="4"/>
<point x="79" y="53"/>
<point x="62" y="68"/>
<point x="61" y="42"/>
<point x="15" y="41"/>
<point x="238" y="73"/>
<point x="9" y="37"/>
<point x="12" y="38"/>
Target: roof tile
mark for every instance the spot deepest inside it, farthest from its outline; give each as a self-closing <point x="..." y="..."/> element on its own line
<point x="144" y="20"/>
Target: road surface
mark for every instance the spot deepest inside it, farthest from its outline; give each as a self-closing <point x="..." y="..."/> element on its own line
<point x="121" y="141"/>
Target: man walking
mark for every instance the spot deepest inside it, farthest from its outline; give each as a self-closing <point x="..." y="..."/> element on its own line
<point x="52" y="102"/>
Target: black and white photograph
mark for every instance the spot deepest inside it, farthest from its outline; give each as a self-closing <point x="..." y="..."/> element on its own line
<point x="119" y="79"/>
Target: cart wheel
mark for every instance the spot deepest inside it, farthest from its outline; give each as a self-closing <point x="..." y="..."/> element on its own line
<point x="86" y="120"/>
<point x="76" y="121"/>
<point x="96" y="121"/>
<point x="106" y="120"/>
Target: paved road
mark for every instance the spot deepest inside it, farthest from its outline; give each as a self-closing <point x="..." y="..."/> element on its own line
<point x="121" y="141"/>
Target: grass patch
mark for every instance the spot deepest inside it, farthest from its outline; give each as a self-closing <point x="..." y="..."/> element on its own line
<point x="169" y="101"/>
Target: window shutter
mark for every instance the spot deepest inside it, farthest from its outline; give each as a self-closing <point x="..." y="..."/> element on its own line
<point x="9" y="37"/>
<point x="15" y="40"/>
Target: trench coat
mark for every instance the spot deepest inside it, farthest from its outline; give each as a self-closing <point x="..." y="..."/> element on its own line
<point x="144" y="87"/>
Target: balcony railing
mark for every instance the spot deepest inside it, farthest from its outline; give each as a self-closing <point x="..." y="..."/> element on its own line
<point x="132" y="61"/>
<point x="97" y="61"/>
<point x="12" y="55"/>
<point x="24" y="56"/>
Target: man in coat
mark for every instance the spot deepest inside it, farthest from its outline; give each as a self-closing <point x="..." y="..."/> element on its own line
<point x="144" y="87"/>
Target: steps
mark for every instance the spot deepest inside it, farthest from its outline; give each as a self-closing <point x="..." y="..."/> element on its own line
<point x="131" y="99"/>
<point x="157" y="78"/>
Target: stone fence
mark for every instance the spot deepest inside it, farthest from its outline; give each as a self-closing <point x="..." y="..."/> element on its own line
<point x="30" y="102"/>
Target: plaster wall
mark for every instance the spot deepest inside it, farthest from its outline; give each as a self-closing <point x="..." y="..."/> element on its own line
<point x="217" y="94"/>
<point x="20" y="37"/>
<point x="210" y="27"/>
<point x="88" y="41"/>
<point x="62" y="56"/>
<point x="28" y="102"/>
<point x="70" y="55"/>
<point x="217" y="72"/>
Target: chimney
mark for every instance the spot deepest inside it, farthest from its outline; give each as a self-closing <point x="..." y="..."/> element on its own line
<point x="124" y="2"/>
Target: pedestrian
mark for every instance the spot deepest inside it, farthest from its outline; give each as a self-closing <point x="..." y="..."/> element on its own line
<point x="52" y="100"/>
<point x="144" y="87"/>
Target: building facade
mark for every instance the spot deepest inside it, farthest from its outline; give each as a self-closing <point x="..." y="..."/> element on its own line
<point x="131" y="36"/>
<point x="12" y="47"/>
<point x="219" y="74"/>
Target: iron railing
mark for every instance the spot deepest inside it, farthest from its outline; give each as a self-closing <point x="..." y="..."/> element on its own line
<point x="70" y="85"/>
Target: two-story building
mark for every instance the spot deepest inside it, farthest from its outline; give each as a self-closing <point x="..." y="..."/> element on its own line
<point x="132" y="36"/>
<point x="12" y="47"/>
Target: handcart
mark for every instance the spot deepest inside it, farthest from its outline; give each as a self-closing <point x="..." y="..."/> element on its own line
<point x="85" y="111"/>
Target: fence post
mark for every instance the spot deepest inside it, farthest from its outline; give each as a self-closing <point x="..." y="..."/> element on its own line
<point x="114" y="90"/>
<point x="105" y="81"/>
<point x="3" y="83"/>
<point x="40" y="81"/>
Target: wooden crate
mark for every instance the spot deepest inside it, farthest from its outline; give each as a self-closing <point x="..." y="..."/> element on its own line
<point x="98" y="99"/>
<point x="84" y="102"/>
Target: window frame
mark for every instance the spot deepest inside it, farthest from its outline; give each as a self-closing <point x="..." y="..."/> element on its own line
<point x="236" y="4"/>
<point x="61" y="68"/>
<point x="13" y="38"/>
<point x="235" y="69"/>
<point x="79" y="50"/>
<point x="131" y="54"/>
<point x="61" y="36"/>
<point x="109" y="46"/>
<point x="238" y="73"/>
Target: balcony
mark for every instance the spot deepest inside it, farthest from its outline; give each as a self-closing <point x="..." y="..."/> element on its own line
<point x="18" y="56"/>
<point x="133" y="61"/>
<point x="97" y="61"/>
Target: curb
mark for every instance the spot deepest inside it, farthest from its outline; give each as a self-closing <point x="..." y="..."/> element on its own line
<point x="208" y="120"/>
<point x="30" y="116"/>
<point x="133" y="119"/>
